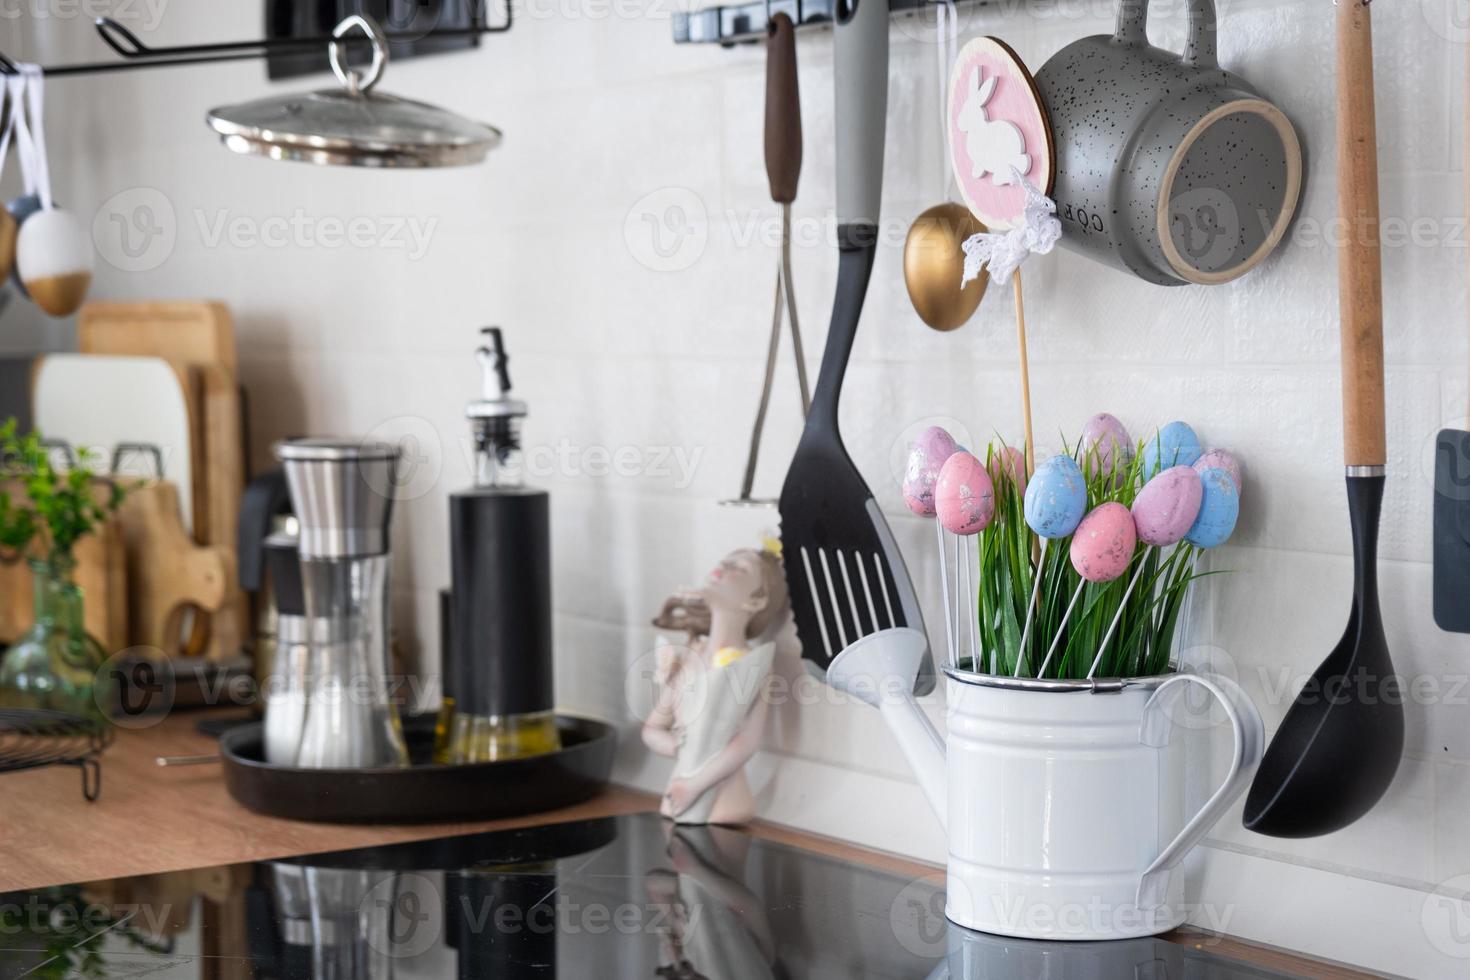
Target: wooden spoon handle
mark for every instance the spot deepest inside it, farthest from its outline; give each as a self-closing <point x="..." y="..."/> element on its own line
<point x="1360" y="286"/>
<point x="783" y="110"/>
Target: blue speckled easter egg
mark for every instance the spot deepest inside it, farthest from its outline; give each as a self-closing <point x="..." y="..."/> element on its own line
<point x="1056" y="497"/>
<point x="1218" y="510"/>
<point x="1174" y="445"/>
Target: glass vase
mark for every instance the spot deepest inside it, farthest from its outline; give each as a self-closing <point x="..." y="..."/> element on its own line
<point x="56" y="664"/>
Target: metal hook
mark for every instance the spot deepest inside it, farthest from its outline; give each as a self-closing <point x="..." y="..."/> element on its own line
<point x="135" y="48"/>
<point x="135" y="54"/>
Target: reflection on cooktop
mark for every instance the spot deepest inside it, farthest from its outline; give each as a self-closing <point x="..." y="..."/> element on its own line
<point x="618" y="897"/>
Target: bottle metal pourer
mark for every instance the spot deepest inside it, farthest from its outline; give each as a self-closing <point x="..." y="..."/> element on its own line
<point x="496" y="417"/>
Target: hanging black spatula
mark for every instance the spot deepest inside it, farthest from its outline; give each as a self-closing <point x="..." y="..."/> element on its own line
<point x="1339" y="745"/>
<point x="845" y="572"/>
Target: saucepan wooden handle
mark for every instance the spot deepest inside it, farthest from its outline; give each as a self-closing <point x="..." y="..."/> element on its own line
<point x="1360" y="285"/>
<point x="783" y="110"/>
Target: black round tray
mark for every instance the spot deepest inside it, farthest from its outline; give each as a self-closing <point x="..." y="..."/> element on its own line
<point x="423" y="792"/>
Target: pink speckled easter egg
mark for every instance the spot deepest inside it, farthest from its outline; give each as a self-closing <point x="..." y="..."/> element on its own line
<point x="928" y="454"/>
<point x="964" y="497"/>
<point x="1166" y="507"/>
<point x="1009" y="463"/>
<point x="1103" y="544"/>
<point x="1104" y="438"/>
<point x="1221" y="459"/>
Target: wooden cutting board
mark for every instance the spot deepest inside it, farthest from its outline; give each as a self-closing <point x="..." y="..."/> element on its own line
<point x="192" y="332"/>
<point x="167" y="571"/>
<point x="224" y="483"/>
<point x="198" y="336"/>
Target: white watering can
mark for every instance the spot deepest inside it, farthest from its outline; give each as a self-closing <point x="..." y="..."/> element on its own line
<point x="1059" y="798"/>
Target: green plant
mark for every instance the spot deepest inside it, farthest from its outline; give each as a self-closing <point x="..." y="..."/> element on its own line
<point x="63" y="505"/>
<point x="1141" y="645"/>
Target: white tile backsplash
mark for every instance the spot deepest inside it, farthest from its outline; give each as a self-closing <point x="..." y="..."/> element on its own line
<point x="616" y="344"/>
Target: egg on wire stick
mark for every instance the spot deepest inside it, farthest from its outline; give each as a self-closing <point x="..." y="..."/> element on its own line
<point x="1056" y="499"/>
<point x="1220" y="459"/>
<point x="1104" y="441"/>
<point x="1009" y="463"/>
<point x="964" y="500"/>
<point x="1214" y="459"/>
<point x="1219" y="509"/>
<point x="927" y="455"/>
<point x="1101" y="550"/>
<point x="1174" y="445"/>
<point x="1163" y="513"/>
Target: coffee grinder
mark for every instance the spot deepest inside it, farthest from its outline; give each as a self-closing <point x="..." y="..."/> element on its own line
<point x="342" y="494"/>
<point x="498" y="667"/>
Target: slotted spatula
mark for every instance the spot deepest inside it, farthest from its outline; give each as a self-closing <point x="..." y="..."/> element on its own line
<point x="846" y="575"/>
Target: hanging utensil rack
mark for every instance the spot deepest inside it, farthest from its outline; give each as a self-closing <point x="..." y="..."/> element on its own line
<point x="32" y="738"/>
<point x="745" y="23"/>
<point x="136" y="55"/>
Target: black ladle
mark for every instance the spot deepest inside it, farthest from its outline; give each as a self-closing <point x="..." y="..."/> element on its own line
<point x="1339" y="745"/>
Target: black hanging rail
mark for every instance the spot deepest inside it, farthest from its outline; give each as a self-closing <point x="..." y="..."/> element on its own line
<point x="745" y="23"/>
<point x="136" y="55"/>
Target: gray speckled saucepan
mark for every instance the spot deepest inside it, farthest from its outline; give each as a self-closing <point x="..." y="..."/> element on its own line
<point x="1168" y="166"/>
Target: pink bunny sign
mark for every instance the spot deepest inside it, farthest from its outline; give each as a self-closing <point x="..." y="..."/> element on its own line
<point x="997" y="128"/>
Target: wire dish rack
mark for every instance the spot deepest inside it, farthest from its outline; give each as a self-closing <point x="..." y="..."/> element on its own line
<point x="32" y="737"/>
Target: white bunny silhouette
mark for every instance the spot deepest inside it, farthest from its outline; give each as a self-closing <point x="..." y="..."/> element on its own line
<point x="993" y="145"/>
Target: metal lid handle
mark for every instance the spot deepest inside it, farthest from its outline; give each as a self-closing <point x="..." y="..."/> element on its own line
<point x="357" y="82"/>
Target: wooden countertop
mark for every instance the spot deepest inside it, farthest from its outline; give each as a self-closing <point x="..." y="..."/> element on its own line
<point x="151" y="819"/>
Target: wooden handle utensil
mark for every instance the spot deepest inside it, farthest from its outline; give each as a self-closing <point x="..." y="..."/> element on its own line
<point x="1360" y="286"/>
<point x="783" y="111"/>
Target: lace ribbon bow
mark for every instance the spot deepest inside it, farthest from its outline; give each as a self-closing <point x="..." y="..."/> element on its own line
<point x="1003" y="252"/>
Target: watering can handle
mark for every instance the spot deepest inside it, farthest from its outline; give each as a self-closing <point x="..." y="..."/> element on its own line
<point x="1198" y="53"/>
<point x="1250" y="743"/>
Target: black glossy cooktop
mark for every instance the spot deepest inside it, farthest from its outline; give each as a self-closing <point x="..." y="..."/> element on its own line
<point x="617" y="897"/>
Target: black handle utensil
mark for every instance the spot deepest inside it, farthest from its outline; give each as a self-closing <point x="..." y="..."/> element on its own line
<point x="1339" y="745"/>
<point x="844" y="569"/>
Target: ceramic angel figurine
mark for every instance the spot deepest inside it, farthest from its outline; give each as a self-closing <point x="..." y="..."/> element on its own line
<point x="711" y="708"/>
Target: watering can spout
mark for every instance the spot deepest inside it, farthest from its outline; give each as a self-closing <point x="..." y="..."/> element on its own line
<point x="880" y="669"/>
